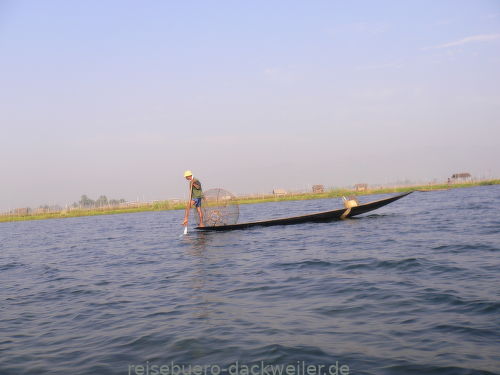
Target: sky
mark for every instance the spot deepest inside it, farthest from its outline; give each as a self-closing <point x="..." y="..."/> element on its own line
<point x="119" y="97"/>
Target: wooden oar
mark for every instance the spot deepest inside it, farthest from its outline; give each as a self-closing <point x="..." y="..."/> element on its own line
<point x="188" y="206"/>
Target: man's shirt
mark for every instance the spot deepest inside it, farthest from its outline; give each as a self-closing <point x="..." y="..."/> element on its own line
<point x="196" y="189"/>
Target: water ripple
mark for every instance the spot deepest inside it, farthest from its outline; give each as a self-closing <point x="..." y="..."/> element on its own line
<point x="409" y="289"/>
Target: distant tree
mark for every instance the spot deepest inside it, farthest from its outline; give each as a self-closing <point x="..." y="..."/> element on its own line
<point x="86" y="201"/>
<point x="101" y="201"/>
<point x="116" y="202"/>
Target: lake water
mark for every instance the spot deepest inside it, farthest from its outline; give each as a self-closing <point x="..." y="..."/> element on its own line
<point x="411" y="288"/>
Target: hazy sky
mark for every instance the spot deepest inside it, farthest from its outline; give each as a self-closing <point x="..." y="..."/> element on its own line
<point x="120" y="97"/>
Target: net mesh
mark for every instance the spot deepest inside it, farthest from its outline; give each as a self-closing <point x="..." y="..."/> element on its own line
<point x="219" y="207"/>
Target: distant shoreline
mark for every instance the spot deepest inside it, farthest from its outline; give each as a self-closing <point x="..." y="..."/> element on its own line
<point x="168" y="205"/>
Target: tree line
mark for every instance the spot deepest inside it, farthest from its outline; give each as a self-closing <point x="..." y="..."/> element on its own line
<point x="102" y="201"/>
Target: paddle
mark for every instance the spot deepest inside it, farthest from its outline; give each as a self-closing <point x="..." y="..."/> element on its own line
<point x="188" y="206"/>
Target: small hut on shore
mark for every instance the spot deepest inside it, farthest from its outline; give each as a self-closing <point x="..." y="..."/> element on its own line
<point x="21" y="211"/>
<point x="318" y="189"/>
<point x="461" y="177"/>
<point x="279" y="192"/>
<point x="361" y="187"/>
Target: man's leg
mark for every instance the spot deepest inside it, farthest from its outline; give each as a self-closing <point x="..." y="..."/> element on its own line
<point x="200" y="213"/>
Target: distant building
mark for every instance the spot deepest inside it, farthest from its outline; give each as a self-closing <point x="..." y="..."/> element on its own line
<point x="279" y="192"/>
<point x="361" y="187"/>
<point x="461" y="177"/>
<point x="318" y="189"/>
<point x="21" y="211"/>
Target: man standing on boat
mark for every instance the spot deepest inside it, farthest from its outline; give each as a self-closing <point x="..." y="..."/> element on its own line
<point x="196" y="194"/>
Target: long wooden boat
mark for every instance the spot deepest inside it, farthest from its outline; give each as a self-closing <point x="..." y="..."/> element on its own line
<point x="316" y="217"/>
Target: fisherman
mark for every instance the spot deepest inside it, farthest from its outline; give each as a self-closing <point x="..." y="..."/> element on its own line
<point x="196" y="195"/>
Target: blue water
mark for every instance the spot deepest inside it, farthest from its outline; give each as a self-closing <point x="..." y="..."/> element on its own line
<point x="412" y="288"/>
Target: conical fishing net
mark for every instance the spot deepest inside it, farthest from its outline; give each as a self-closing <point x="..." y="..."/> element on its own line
<point x="219" y="207"/>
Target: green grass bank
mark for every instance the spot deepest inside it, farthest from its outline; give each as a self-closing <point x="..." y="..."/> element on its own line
<point x="167" y="205"/>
